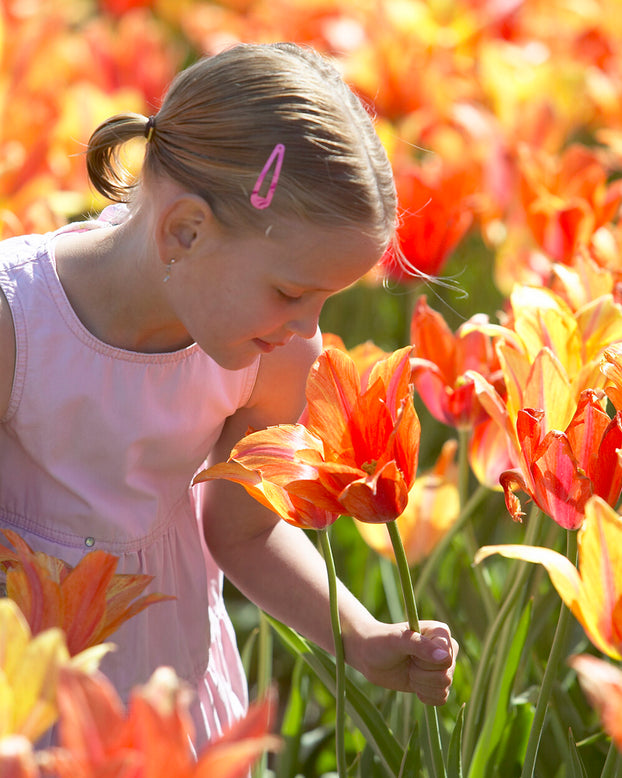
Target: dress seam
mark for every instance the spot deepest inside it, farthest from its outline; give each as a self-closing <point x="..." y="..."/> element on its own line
<point x="72" y="540"/>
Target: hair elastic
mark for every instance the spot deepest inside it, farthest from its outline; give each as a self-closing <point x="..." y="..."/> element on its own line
<point x="150" y="128"/>
<point x="276" y="157"/>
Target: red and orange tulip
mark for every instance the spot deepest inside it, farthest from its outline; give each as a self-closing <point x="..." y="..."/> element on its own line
<point x="357" y="454"/>
<point x="436" y="216"/>
<point x="365" y="355"/>
<point x="29" y="672"/>
<point x="593" y="592"/>
<point x="566" y="198"/>
<point x="562" y="469"/>
<point x="152" y="739"/>
<point x="440" y="362"/>
<point x="88" y="602"/>
<point x="433" y="506"/>
<point x="602" y="684"/>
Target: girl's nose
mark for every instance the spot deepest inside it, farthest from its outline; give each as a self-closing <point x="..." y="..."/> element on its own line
<point x="305" y="325"/>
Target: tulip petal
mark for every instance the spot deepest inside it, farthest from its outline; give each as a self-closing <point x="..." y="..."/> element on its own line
<point x="332" y="392"/>
<point x="602" y="684"/>
<point x="84" y="597"/>
<point x="600" y="562"/>
<point x="380" y="497"/>
<point x="564" y="575"/>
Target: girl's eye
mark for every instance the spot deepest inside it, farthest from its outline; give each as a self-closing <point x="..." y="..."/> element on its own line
<point x="288" y="297"/>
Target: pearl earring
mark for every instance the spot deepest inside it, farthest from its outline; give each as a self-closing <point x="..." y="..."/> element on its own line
<point x="168" y="269"/>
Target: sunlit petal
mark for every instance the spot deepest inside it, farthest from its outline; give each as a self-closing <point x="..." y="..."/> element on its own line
<point x="564" y="575"/>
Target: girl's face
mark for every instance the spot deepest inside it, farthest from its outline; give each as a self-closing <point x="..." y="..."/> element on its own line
<point x="242" y="296"/>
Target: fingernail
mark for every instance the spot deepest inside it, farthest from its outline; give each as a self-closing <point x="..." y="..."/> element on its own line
<point x="439" y="653"/>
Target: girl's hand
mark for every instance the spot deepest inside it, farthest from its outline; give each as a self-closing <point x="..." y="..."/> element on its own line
<point x="395" y="657"/>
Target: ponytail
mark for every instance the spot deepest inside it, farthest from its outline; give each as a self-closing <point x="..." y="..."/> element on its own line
<point x="103" y="161"/>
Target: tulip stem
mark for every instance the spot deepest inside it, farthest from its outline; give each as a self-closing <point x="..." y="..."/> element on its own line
<point x="550" y="673"/>
<point x="408" y="593"/>
<point x="482" y="577"/>
<point x="340" y="678"/>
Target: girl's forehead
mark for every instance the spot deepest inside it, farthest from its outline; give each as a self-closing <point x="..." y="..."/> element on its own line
<point x="327" y="259"/>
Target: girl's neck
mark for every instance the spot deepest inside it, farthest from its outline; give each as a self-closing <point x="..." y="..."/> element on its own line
<point x="113" y="280"/>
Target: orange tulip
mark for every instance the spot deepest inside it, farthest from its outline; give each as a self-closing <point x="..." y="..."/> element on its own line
<point x="602" y="685"/>
<point x="593" y="592"/>
<point x="152" y="739"/>
<point x="365" y="355"/>
<point x="436" y="215"/>
<point x="357" y="454"/>
<point x="562" y="469"/>
<point x="566" y="198"/>
<point x="441" y="360"/>
<point x="433" y="506"/>
<point x="88" y="602"/>
<point x="29" y="671"/>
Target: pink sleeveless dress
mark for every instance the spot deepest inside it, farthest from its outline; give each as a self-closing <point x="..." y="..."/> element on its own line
<point x="98" y="450"/>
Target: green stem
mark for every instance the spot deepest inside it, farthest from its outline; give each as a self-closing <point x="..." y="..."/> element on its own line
<point x="482" y="578"/>
<point x="429" y="566"/>
<point x="431" y="718"/>
<point x="550" y="674"/>
<point x="492" y="644"/>
<point x="340" y="678"/>
<point x="264" y="677"/>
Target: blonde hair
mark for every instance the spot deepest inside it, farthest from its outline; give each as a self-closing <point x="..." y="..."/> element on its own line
<point x="220" y="121"/>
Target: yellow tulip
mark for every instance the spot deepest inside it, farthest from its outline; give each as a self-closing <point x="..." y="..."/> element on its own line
<point x="29" y="672"/>
<point x="593" y="592"/>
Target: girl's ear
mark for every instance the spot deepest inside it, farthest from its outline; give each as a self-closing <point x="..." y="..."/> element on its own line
<point x="181" y="223"/>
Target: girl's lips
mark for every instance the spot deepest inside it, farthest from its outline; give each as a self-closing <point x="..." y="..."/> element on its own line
<point x="264" y="346"/>
<point x="268" y="345"/>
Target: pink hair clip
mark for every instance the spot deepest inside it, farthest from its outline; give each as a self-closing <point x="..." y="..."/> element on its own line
<point x="276" y="158"/>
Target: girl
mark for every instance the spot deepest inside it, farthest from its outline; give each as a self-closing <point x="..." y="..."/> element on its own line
<point x="136" y="345"/>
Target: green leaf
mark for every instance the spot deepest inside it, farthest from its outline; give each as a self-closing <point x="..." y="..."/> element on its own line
<point x="360" y="709"/>
<point x="576" y="769"/>
<point x="411" y="763"/>
<point x="454" y="753"/>
<point x="293" y="720"/>
<point x="497" y="712"/>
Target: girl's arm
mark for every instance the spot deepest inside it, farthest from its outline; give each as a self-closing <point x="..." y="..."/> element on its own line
<point x="7" y="354"/>
<point x="276" y="566"/>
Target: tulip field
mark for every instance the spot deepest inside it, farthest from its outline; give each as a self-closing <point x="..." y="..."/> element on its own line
<point x="462" y="441"/>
